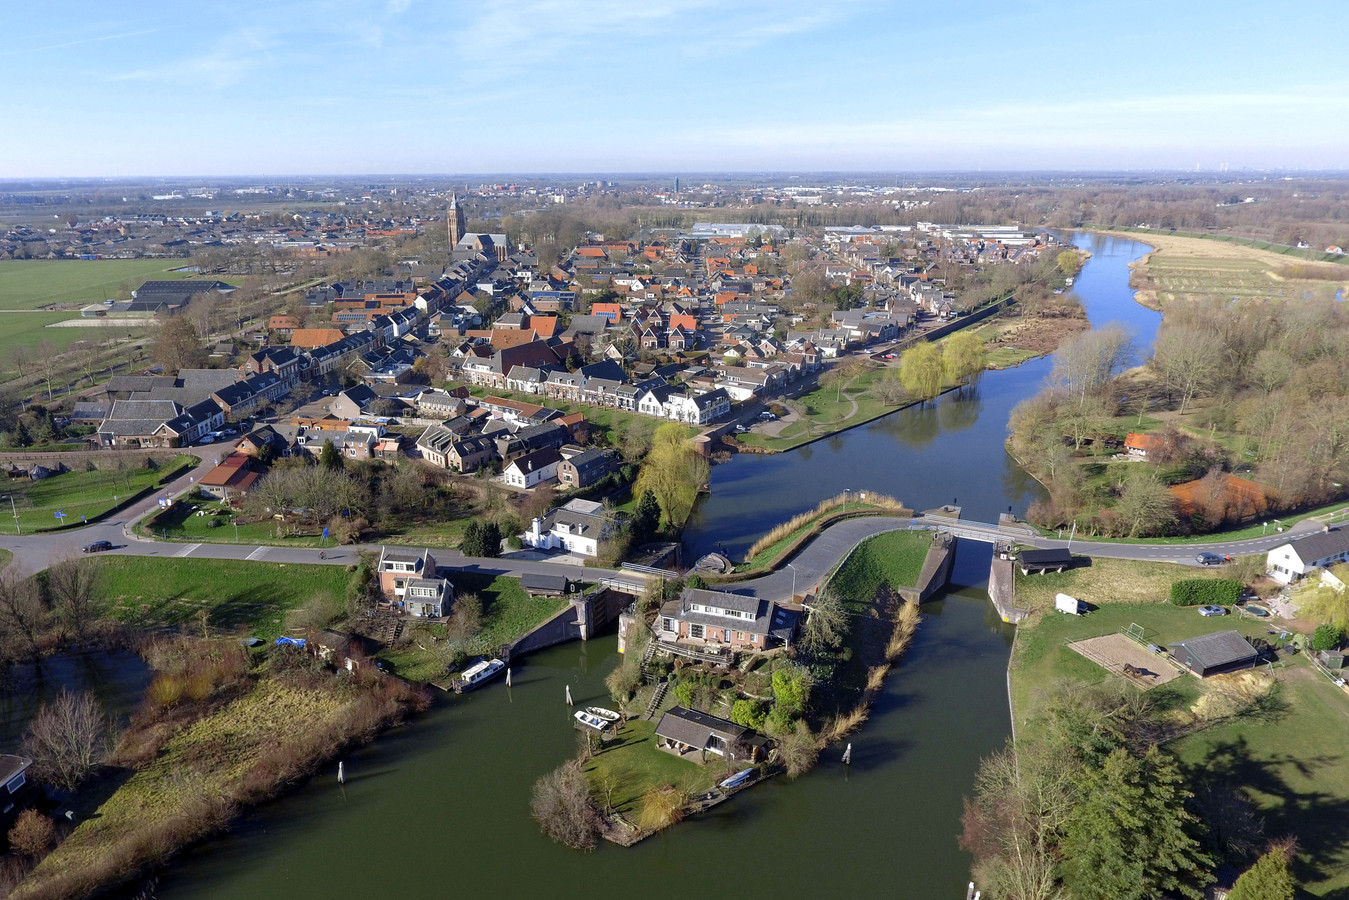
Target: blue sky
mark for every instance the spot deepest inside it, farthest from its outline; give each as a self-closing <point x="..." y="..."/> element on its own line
<point x="442" y="86"/>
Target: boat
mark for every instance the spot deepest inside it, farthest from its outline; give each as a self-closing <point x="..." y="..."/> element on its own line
<point x="590" y="721"/>
<point x="601" y="713"/>
<point x="478" y="673"/>
<point x="736" y="780"/>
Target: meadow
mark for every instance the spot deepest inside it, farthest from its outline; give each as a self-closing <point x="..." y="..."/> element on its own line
<point x="38" y="283"/>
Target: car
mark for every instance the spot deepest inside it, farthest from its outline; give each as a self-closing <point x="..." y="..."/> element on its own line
<point x="97" y="547"/>
<point x="1209" y="609"/>
<point x="1210" y="559"/>
<point x="767" y="416"/>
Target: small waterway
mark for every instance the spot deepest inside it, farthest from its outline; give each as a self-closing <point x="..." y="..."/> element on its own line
<point x="442" y="807"/>
<point x="118" y="679"/>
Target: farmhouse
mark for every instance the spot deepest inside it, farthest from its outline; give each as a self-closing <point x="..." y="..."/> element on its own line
<point x="1288" y="562"/>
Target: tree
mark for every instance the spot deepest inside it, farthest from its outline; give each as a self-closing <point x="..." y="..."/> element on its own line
<point x="561" y="805"/>
<point x="791" y="688"/>
<point x="1189" y="359"/>
<point x="826" y="623"/>
<point x="1327" y="637"/>
<point x="177" y="345"/>
<point x="47" y="363"/>
<point x="748" y="712"/>
<point x="921" y="371"/>
<point x="1086" y="363"/>
<point x="76" y="590"/>
<point x="481" y="539"/>
<point x="1130" y="837"/>
<point x="1145" y="505"/>
<point x="645" y="519"/>
<point x="1268" y="879"/>
<point x="466" y="619"/>
<point x="330" y="458"/>
<point x="963" y="356"/>
<point x="23" y="616"/>
<point x="1068" y="262"/>
<point x="67" y="739"/>
<point x="798" y="749"/>
<point x="673" y="472"/>
<point x="32" y="833"/>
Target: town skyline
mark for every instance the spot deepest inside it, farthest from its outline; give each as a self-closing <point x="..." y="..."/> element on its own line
<point x="337" y="88"/>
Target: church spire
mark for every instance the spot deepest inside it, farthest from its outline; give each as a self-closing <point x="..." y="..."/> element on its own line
<point x="458" y="227"/>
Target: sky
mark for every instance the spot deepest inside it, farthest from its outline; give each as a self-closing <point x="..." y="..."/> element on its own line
<point x="151" y="87"/>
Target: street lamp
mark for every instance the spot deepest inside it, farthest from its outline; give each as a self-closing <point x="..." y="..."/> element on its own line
<point x="793" y="568"/>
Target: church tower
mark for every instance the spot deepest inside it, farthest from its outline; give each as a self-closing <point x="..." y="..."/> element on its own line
<point x="458" y="228"/>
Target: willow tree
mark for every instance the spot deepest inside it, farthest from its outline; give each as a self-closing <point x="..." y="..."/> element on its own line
<point x="922" y="371"/>
<point x="674" y="471"/>
<point x="963" y="356"/>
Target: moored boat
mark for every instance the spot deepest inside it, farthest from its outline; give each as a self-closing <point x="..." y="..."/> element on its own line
<point x="591" y="721"/>
<point x="600" y="712"/>
<point x="736" y="780"/>
<point x="477" y="674"/>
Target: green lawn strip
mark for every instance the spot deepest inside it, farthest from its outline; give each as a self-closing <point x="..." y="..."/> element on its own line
<point x="1334" y="511"/>
<point x="1042" y="658"/>
<point x="767" y="558"/>
<point x="1294" y="769"/>
<point x="632" y="765"/>
<point x="79" y="492"/>
<point x="1008" y="357"/>
<point x="149" y="592"/>
<point x="895" y="558"/>
<point x="31" y="284"/>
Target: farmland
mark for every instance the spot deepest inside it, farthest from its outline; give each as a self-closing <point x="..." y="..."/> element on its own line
<point x="37" y="284"/>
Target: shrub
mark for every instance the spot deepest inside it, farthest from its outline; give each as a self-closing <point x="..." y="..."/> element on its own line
<point x="1202" y="591"/>
<point x="684" y="693"/>
<point x="561" y="805"/>
<point x="749" y="713"/>
<point x="623" y="680"/>
<point x="166" y="690"/>
<point x="1327" y="637"/>
<point x="32" y="833"/>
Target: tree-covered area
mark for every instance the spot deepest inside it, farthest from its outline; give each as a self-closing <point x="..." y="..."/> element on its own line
<point x="1253" y="390"/>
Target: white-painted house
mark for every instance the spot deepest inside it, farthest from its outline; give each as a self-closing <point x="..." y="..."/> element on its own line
<point x="532" y="469"/>
<point x="577" y="527"/>
<point x="1288" y="562"/>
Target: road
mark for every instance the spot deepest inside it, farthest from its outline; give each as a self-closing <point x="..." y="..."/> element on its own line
<point x="805" y="573"/>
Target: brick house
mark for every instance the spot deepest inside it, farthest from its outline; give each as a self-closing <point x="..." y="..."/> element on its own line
<point x="719" y="618"/>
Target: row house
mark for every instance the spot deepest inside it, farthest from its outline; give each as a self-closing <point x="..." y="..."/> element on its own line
<point x="243" y="398"/>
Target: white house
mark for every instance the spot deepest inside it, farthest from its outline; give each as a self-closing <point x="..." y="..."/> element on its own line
<point x="577" y="527"/>
<point x="532" y="469"/>
<point x="427" y="597"/>
<point x="1288" y="562"/>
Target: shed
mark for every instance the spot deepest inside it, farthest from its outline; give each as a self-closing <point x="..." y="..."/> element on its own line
<point x="545" y="585"/>
<point x="1041" y="561"/>
<point x="1212" y="654"/>
<point x="690" y="732"/>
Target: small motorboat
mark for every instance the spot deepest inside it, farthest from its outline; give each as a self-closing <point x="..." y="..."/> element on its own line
<point x="477" y="674"/>
<point x="736" y="780"/>
<point x="600" y="712"/>
<point x="589" y="721"/>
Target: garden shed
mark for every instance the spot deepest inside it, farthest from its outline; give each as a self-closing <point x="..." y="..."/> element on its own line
<point x="1212" y="654"/>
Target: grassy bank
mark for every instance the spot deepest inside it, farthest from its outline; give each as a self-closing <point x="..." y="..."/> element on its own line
<point x="191" y="772"/>
<point x="223" y="593"/>
<point x="81" y="492"/>
<point x="630" y="769"/>
<point x="894" y="558"/>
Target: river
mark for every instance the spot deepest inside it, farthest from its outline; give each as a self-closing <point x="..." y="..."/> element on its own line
<point x="441" y="807"/>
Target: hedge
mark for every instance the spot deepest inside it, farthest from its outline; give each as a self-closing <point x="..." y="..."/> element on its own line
<point x="1197" y="591"/>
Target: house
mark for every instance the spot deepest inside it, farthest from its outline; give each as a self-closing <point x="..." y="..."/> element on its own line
<point x="719" y="618"/>
<point x="583" y="469"/>
<point x="697" y="735"/>
<point x="438" y="404"/>
<point x="400" y="565"/>
<point x="1140" y="445"/>
<point x="136" y="423"/>
<point x="231" y="479"/>
<point x="1288" y="562"/>
<point x="468" y="454"/>
<point x="16" y="793"/>
<point x="428" y="597"/>
<point x="532" y="469"/>
<point x="309" y="338"/>
<point x="1212" y="654"/>
<point x="434" y="445"/>
<point x="351" y="403"/>
<point x="577" y="527"/>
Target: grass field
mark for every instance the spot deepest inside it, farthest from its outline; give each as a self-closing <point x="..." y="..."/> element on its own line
<point x="828" y="409"/>
<point x="1186" y="268"/>
<point x="1105" y="581"/>
<point x="28" y="329"/>
<point x="78" y="493"/>
<point x="895" y="558"/>
<point x="35" y="283"/>
<point x="632" y="765"/>
<point x="149" y="592"/>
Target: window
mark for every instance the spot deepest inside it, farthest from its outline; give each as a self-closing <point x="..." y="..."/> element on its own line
<point x="740" y="635"/>
<point x="696" y="631"/>
<point x="667" y="624"/>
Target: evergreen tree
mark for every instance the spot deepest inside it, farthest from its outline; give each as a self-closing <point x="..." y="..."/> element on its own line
<point x="329" y="458"/>
<point x="490" y="538"/>
<point x="471" y="545"/>
<point x="1268" y="879"/>
<point x="1131" y="837"/>
<point x="646" y="520"/>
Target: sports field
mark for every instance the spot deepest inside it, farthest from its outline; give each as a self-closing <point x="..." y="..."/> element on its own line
<point x="37" y="283"/>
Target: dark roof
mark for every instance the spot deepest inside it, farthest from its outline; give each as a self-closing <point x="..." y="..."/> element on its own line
<point x="1059" y="557"/>
<point x="11" y="765"/>
<point x="532" y="582"/>
<point x="181" y="287"/>
<point x="1321" y="545"/>
<point x="1221" y="648"/>
<point x="692" y="727"/>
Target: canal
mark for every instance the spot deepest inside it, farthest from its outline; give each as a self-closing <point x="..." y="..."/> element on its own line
<point x="442" y="807"/>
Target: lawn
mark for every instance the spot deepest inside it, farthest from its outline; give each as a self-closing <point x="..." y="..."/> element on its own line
<point x="28" y="329"/>
<point x="632" y="764"/>
<point x="181" y="523"/>
<point x="894" y="558"/>
<point x="80" y="493"/>
<point x="1296" y="771"/>
<point x="1105" y="581"/>
<point x="149" y="593"/>
<point x="35" y="283"/>
<point x="828" y="409"/>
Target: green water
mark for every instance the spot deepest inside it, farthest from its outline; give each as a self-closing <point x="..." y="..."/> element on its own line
<point x="441" y="808"/>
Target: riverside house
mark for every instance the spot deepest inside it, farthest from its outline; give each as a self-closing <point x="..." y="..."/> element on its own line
<point x="719" y="619"/>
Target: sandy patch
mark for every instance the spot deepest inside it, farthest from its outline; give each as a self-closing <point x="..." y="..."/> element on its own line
<point x="1114" y="651"/>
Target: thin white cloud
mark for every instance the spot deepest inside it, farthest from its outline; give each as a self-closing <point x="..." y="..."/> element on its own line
<point x="96" y="39"/>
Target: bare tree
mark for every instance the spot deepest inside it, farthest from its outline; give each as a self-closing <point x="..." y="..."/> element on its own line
<point x="1189" y="359"/>
<point x="1085" y="364"/>
<point x="76" y="591"/>
<point x="561" y="805"/>
<point x="19" y="357"/>
<point x="68" y="738"/>
<point x="47" y="365"/>
<point x="23" y="616"/>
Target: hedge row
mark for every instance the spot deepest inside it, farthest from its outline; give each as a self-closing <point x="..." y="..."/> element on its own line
<point x="1197" y="591"/>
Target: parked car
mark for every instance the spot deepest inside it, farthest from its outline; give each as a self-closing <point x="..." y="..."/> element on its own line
<point x="767" y="416"/>
<point x="97" y="547"/>
<point x="1210" y="559"/>
<point x="1209" y="609"/>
